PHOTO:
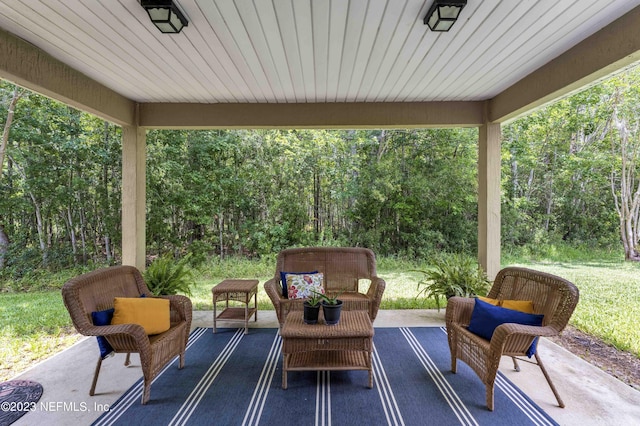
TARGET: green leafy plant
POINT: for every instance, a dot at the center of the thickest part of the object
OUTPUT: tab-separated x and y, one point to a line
453	275
331	300
314	299
165	276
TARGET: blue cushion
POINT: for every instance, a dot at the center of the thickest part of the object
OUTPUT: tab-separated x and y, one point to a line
283	280
103	318
486	317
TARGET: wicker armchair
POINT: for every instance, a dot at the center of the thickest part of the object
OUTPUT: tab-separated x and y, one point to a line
95	291
552	296
343	268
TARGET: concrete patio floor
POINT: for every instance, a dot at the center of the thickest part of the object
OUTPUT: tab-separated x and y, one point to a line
592	397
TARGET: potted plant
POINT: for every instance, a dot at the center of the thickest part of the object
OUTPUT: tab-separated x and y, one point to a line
453	275
311	308
331	307
165	276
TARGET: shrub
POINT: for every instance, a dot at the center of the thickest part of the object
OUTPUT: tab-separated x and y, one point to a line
165	276
454	275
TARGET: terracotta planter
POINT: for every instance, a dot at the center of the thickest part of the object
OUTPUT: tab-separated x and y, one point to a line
310	315
332	312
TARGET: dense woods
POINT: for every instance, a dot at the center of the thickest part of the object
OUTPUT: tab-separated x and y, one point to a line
570	173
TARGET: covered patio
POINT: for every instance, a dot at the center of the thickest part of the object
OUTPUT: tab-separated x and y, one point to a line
322	64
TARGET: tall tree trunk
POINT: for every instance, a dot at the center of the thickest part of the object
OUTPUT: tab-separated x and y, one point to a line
72	234
40	228
4	239
4	246
220	226
316	203
17	94
626	193
83	233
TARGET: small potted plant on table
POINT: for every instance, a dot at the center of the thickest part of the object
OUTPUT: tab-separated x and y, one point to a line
331	307
312	308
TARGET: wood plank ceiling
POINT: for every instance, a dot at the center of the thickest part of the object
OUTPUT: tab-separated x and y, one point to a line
307	51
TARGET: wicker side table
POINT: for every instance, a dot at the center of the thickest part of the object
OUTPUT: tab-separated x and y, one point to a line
239	291
344	346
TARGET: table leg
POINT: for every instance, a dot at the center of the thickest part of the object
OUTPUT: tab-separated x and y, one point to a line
214	314
285	364
370	372
255	305
246	317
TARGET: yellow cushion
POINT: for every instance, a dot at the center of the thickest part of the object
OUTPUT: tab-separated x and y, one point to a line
494	302
151	313
516	305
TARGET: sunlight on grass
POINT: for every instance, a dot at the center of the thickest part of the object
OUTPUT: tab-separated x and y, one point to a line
609	305
35	326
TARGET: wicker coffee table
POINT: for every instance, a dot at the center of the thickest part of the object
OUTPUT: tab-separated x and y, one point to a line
239	291
344	346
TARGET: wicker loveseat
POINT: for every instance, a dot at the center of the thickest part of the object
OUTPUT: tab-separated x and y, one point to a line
350	270
95	291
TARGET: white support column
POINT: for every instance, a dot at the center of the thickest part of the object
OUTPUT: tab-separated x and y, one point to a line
489	198
134	187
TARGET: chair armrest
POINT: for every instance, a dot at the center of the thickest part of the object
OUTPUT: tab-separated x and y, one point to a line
374	293
122	332
459	310
512	337
274	293
181	308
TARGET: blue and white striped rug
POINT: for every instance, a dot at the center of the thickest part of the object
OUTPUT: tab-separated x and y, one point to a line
235	379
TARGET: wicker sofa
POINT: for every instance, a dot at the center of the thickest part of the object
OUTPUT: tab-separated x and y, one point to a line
346	269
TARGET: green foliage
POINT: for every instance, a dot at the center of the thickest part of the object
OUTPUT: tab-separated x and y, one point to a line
165	276
452	275
33	327
251	193
314	299
331	300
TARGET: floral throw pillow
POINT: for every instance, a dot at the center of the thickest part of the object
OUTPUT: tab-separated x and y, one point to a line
301	286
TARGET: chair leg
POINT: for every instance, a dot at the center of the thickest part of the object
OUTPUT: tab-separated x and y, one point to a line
453	349
92	391
515	363
146	391
490	397
546	376
181	364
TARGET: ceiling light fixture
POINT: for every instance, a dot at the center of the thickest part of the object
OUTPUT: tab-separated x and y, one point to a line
165	15
443	14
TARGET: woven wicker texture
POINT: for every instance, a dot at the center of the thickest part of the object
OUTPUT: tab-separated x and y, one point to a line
344	346
552	296
95	291
238	291
343	267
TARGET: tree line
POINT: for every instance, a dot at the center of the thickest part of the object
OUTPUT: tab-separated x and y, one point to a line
569	173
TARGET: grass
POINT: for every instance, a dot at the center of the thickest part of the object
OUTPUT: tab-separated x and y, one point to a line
609	306
36	325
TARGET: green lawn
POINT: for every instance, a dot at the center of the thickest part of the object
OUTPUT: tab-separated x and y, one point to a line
36	325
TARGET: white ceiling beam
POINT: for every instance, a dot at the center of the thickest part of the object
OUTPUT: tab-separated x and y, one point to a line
27	66
610	50
312	115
